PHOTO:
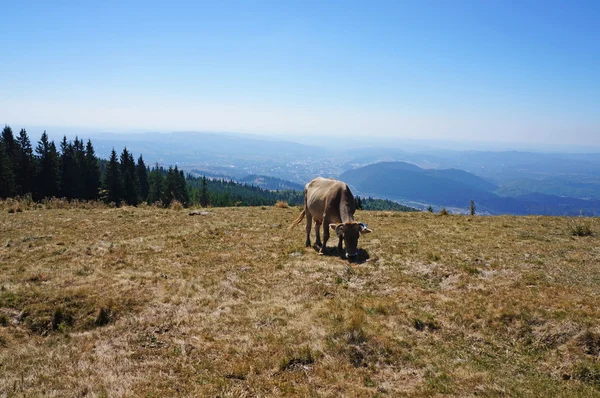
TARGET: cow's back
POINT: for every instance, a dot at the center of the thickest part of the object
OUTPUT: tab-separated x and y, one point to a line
321	192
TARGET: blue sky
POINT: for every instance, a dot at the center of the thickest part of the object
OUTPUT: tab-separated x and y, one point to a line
454	70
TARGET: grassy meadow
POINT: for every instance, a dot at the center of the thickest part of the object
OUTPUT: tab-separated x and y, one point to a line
98	301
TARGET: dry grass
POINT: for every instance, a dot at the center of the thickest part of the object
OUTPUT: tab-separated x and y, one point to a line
281	204
176	205
152	302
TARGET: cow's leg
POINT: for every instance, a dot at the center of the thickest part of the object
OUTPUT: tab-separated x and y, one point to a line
325	234
340	247
308	227
318	233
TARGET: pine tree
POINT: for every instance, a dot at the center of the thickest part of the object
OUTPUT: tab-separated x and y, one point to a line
80	164
91	173
7	178
25	164
8	184
170	187
10	145
184	196
156	192
68	168
112	180
358	204
131	186
142	173
48	173
203	193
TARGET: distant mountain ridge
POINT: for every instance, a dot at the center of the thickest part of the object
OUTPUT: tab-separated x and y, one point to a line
455	188
400	180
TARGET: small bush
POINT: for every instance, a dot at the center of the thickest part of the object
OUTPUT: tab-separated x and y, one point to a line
430	209
176	205
444	212
472	207
583	228
281	204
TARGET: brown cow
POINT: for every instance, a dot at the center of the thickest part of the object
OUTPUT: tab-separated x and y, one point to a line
331	204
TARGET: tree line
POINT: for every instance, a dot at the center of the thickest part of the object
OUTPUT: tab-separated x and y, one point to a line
225	193
380	204
73	171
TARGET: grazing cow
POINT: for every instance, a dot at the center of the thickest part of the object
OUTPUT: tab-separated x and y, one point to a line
331	204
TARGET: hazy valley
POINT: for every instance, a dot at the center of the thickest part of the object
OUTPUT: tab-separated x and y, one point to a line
501	182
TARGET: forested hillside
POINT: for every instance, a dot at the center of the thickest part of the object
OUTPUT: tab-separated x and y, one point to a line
270	183
73	171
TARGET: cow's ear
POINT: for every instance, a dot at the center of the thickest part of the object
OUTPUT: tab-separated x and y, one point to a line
364	229
337	228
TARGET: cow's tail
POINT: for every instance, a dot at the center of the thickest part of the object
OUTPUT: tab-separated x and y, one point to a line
301	215
298	219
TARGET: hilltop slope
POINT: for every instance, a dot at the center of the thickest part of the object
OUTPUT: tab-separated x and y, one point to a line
145	301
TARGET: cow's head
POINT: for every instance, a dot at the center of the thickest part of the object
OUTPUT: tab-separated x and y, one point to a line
350	232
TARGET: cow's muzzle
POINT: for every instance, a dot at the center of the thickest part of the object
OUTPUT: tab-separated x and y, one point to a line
351	255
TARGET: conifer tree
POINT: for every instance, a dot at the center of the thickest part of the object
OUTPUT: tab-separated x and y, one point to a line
79	156
68	168
142	173
203	193
184	196
131	186
112	180
91	173
10	145
48	173
170	192
155	193
7	178
25	164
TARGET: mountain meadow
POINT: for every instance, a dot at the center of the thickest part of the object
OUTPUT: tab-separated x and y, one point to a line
151	301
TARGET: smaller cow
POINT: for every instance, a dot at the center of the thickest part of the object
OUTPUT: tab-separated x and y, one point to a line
331	204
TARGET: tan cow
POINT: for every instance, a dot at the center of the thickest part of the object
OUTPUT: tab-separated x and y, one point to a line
331	204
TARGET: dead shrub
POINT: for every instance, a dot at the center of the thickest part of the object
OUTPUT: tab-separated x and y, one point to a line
175	205
581	228
281	204
444	212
